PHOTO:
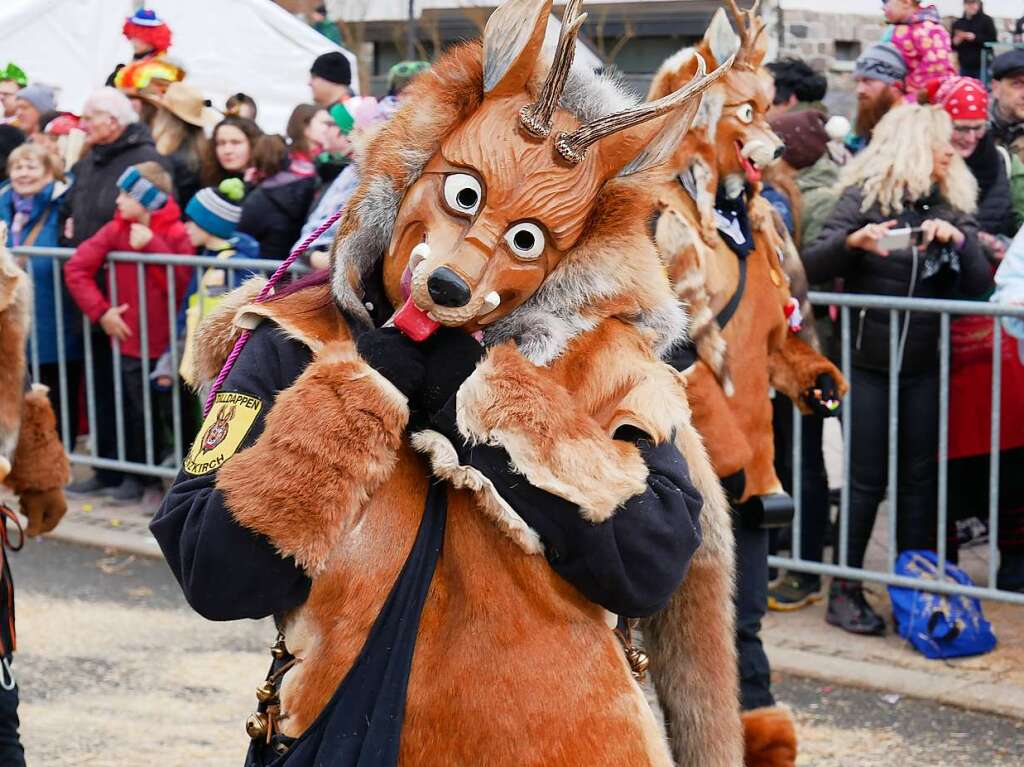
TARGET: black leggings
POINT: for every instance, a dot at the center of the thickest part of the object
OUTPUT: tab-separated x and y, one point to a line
917	459
813	477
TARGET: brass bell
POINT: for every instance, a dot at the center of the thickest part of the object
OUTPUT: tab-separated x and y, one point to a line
266	692
279	650
256	726
639	661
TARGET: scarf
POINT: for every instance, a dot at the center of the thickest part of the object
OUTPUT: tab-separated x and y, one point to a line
22	215
733	223
985	163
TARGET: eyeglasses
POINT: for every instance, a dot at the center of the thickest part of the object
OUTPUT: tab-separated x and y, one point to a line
965	130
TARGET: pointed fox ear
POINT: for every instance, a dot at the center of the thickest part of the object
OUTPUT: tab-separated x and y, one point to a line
512	43
720	41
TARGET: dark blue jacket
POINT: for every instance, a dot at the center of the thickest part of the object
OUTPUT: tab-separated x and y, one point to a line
630	564
47	204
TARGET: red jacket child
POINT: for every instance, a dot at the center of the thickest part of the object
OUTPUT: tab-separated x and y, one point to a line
147	221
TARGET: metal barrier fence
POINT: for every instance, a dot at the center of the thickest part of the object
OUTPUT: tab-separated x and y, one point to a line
897	308
235	270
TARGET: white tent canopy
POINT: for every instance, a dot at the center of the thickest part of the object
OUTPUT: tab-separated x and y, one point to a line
225	46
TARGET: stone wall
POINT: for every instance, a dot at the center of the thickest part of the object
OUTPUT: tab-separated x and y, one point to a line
831	42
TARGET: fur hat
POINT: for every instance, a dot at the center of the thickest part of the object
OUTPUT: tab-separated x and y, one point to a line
146	26
882	61
804	135
333	67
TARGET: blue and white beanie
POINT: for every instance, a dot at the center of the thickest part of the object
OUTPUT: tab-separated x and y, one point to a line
217	210
142	190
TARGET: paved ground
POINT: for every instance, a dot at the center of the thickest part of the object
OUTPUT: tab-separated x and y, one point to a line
115	669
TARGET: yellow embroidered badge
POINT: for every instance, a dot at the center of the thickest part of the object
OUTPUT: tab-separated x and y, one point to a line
229	420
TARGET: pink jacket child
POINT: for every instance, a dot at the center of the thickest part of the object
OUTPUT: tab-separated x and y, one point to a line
148	220
923	42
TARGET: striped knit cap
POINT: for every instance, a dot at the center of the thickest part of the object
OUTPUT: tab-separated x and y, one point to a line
217	210
142	190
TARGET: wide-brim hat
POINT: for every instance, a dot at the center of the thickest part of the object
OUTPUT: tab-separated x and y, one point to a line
187	103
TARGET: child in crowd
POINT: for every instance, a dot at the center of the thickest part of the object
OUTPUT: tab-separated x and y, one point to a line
917	31
212	217
148	220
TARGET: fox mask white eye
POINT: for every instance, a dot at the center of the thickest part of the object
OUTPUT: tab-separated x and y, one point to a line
525	240
745	113
462	193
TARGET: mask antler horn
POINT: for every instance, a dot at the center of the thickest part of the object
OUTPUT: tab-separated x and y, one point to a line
748	26
573	146
536	117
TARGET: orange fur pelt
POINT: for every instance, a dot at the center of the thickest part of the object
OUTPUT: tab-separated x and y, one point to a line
15	304
770	737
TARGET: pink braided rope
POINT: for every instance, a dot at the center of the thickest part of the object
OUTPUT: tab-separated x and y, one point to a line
262	296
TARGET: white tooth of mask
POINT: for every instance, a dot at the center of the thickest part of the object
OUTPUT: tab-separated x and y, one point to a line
491	301
419	254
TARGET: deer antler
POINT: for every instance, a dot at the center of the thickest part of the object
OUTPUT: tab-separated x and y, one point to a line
536	117
748	26
573	146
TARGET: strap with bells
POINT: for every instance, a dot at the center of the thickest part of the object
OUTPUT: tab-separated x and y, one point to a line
262	724
639	661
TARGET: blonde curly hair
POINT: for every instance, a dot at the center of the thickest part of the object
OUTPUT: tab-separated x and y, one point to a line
896	167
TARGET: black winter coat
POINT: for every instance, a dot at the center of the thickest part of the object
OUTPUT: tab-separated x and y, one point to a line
969	51
92	196
185	166
273	213
828	258
995	209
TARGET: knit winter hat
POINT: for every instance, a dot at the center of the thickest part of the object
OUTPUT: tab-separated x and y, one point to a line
333	67
882	61
357	112
146	26
15	74
217	210
141	189
804	135
42	97
964	98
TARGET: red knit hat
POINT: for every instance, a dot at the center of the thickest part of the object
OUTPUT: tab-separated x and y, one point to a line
964	98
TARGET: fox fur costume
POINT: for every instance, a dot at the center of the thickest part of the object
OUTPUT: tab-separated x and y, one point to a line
728	387
32	460
525	665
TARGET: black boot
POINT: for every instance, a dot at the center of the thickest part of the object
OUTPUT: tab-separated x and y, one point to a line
850	611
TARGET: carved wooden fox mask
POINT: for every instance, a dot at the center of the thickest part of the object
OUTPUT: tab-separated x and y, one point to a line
511	188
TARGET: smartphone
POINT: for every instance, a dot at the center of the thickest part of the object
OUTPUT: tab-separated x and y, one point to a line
900	239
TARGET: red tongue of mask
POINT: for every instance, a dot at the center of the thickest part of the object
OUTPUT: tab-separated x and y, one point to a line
753	174
414	322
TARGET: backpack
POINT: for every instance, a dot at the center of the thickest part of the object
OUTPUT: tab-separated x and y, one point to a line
938	625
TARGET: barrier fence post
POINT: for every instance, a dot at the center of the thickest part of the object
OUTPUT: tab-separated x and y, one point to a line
115	366
892	490
945	353
994	442
172	319
90	386
797	479
844	497
62	363
147	397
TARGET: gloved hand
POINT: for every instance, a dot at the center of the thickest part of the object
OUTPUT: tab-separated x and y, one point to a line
823	397
43	509
396	357
451	356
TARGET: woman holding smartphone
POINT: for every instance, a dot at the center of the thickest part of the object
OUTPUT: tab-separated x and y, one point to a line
904	227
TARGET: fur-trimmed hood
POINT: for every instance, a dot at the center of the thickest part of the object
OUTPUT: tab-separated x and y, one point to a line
592	282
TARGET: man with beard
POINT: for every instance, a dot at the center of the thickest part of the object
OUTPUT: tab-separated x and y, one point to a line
879	73
1006	120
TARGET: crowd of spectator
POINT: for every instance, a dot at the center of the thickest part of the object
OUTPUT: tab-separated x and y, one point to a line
931	149
149	166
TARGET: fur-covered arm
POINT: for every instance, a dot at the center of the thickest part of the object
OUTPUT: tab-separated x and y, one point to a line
551	439
727	445
330	441
794	368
